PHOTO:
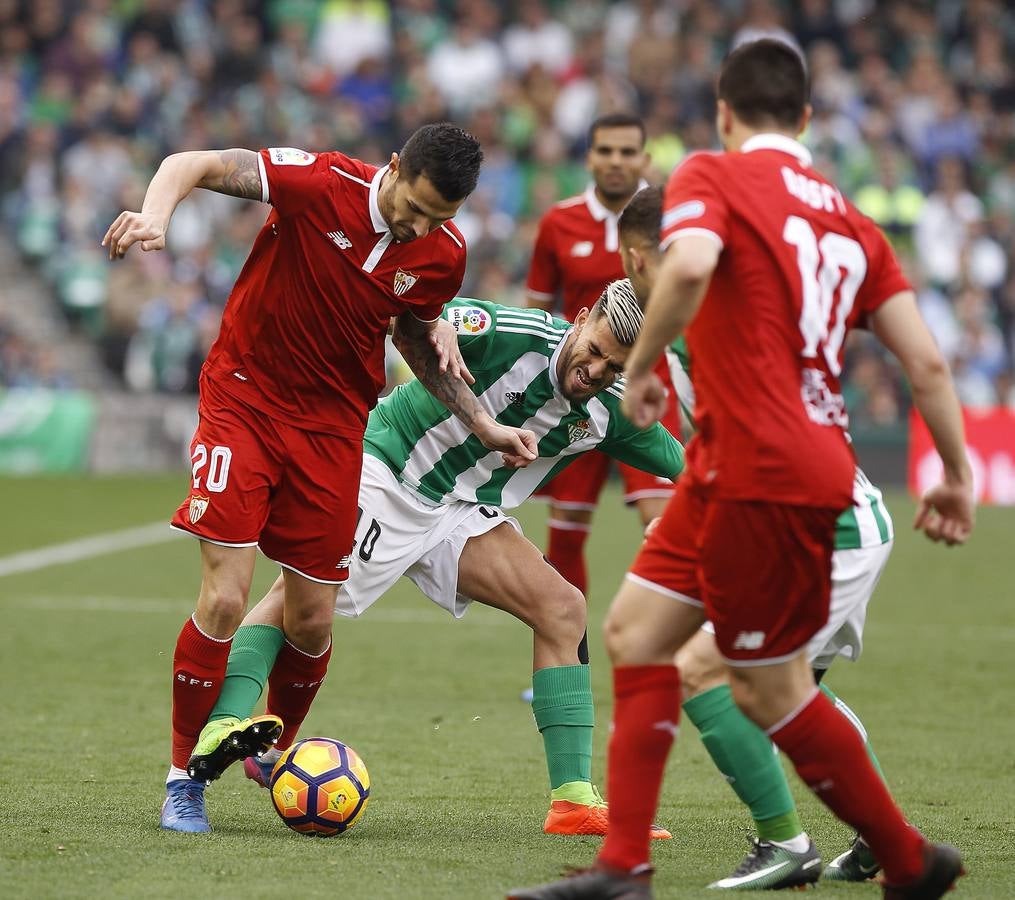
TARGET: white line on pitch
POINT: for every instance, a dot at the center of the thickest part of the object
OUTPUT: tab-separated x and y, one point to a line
86	548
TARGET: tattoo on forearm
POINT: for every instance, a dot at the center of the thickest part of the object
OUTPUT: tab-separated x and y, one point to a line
450	389
241	178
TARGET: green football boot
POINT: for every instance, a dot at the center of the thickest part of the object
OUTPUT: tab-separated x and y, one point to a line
856	864
225	741
769	867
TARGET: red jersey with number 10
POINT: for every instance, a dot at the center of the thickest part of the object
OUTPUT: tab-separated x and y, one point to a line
302	335
799	267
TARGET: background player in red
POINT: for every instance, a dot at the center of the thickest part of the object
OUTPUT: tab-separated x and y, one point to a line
773	266
286	388
577	253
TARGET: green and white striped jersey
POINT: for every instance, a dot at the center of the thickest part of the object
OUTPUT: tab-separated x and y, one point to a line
512	353
865	524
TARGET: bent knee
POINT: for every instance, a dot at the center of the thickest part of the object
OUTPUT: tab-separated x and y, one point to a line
747	696
309	628
701	666
563	615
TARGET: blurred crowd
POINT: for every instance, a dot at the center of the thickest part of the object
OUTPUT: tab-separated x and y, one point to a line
914	117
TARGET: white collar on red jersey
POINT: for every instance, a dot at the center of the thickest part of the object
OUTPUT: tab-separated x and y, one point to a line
601	214
376	219
780	142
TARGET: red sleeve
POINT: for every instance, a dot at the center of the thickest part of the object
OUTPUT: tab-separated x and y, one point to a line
544	275
693	201
446	289
884	278
292	178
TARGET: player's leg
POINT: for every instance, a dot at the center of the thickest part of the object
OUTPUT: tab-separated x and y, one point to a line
573	496
780	557
653	614
502	569
233	471
782	856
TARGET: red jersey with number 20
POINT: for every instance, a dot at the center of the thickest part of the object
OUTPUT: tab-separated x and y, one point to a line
302	335
799	267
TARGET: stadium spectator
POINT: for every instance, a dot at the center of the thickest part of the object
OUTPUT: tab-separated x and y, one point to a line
899	88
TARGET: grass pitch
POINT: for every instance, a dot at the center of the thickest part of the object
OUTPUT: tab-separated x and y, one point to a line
459	784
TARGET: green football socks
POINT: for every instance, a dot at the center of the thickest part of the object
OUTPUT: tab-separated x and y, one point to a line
562	706
746	758
250	660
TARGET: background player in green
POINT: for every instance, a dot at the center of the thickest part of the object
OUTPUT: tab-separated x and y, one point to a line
782	855
430	500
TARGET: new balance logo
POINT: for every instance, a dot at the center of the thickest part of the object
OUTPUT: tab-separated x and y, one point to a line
515	398
340	240
666	725
749	640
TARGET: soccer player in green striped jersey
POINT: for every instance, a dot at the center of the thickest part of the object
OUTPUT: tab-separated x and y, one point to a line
431	499
782	855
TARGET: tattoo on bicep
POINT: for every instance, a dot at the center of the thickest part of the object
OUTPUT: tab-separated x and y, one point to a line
242	177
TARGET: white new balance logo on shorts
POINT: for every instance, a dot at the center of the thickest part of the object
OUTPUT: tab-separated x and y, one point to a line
749	640
341	241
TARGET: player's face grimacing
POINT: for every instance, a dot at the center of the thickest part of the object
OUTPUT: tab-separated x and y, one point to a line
617	160
592	361
413	209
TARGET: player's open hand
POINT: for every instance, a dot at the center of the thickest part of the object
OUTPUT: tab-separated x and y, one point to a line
644	400
518	446
947	512
444	340
133	227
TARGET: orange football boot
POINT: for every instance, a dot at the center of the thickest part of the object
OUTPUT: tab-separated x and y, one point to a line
566	817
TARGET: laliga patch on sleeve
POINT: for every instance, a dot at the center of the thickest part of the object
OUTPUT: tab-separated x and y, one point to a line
469	319
692	209
290	156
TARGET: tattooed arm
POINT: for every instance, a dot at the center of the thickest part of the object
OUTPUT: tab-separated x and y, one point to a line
441	378
235	172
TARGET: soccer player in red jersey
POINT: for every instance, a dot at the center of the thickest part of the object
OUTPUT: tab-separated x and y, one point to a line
286	389
577	253
767	266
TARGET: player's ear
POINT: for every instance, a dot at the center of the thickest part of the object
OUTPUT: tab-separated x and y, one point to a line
581	318
393	163
805	119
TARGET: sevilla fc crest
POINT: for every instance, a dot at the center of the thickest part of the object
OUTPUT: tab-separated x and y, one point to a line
403	281
198	507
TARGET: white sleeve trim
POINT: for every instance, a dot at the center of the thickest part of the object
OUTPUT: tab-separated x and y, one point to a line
264	179
690	232
542	295
424	321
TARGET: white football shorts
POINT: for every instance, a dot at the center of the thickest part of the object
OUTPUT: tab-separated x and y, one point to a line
855	575
401	533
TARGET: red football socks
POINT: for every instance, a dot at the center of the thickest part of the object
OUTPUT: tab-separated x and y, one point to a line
199	668
645	716
830	757
293	683
566	552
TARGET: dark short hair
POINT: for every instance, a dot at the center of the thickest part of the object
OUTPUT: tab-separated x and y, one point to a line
765	82
616	120
448	155
643	215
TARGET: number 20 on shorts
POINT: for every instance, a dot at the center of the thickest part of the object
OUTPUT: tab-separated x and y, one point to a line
217	462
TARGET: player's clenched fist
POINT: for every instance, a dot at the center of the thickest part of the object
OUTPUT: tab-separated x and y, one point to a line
129	228
644	400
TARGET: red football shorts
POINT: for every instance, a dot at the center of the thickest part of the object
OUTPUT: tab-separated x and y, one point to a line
763	570
579	485
668	560
257	481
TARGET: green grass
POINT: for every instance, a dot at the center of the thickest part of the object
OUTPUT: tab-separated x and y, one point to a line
432	705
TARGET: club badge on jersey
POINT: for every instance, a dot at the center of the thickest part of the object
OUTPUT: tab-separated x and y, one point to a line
403	281
198	507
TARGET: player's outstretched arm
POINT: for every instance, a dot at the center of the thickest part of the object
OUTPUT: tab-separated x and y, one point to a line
679	289
234	172
946	511
412	338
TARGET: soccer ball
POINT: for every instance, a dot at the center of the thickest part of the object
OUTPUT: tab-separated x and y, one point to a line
320	787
